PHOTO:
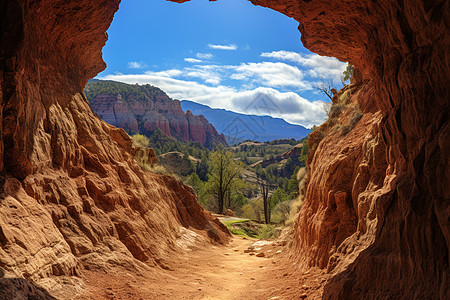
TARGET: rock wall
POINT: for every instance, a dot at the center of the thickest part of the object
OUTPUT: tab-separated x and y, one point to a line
146	108
71	194
377	205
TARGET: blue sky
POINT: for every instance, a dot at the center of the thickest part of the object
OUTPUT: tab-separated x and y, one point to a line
223	54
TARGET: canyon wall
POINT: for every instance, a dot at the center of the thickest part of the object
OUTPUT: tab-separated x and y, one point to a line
145	108
377	206
71	194
376	212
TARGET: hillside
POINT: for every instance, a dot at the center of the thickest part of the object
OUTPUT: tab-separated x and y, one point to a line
143	108
248	127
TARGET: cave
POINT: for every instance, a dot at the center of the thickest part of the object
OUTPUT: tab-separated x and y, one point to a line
72	196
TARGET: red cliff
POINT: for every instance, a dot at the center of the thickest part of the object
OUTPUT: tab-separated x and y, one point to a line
145	108
377	206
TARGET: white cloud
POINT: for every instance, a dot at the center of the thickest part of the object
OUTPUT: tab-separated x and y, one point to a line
193	60
204	55
223	47
136	65
272	74
166	73
203	83
207	75
291	106
317	66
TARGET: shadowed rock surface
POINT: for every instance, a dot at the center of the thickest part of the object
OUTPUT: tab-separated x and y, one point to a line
377	206
71	194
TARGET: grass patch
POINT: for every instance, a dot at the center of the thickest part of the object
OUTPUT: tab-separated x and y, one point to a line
244	228
251	229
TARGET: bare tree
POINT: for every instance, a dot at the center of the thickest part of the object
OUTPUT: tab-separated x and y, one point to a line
324	87
265	187
327	107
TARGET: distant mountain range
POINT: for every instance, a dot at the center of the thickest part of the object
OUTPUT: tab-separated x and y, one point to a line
143	108
239	127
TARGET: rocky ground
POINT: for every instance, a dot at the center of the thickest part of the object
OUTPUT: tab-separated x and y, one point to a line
243	269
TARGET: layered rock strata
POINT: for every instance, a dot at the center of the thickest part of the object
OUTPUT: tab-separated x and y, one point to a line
71	194
146	108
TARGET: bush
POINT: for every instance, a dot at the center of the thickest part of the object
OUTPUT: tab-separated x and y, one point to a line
247	212
267	231
336	110
297	204
345	97
141	140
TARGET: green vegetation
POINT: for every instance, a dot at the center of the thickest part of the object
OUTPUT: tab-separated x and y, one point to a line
251	229
138	92
237	228
348	73
251	179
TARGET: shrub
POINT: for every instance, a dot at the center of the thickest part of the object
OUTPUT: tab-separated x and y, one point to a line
141	140
345	97
336	110
248	212
297	204
267	231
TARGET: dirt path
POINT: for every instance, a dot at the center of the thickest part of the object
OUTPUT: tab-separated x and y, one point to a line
212	272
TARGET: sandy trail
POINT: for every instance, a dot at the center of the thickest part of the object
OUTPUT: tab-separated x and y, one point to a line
211	272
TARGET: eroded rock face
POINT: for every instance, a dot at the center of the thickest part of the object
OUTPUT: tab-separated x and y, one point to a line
71	194
377	203
150	111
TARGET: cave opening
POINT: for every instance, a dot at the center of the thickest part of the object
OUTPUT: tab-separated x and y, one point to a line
73	201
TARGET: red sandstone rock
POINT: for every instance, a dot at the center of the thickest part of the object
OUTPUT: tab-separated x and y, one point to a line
376	212
394	239
124	110
71	194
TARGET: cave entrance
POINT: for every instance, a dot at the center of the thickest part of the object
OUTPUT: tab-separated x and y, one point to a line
254	65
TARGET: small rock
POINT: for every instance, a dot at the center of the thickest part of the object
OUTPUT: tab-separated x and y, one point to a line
261	254
252	278
303	296
285	274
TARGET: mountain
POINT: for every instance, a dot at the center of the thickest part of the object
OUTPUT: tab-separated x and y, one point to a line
240	127
143	108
